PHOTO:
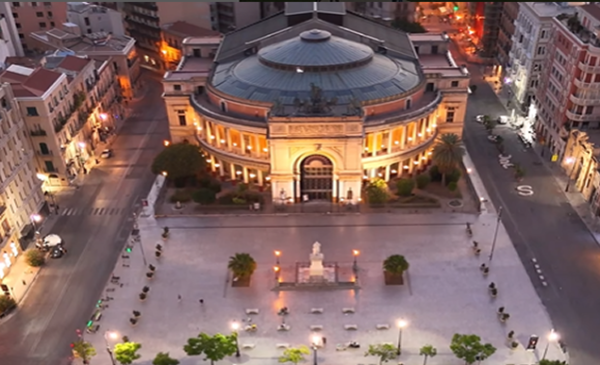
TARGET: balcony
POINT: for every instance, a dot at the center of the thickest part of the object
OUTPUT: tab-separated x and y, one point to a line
583	100
571	114
586	85
588	68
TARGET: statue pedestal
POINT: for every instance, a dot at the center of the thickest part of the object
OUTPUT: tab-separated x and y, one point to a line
316	269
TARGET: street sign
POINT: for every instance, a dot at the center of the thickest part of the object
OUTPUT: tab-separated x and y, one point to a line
554	158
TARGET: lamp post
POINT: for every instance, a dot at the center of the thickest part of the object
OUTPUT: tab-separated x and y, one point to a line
570	161
112	336
315	342
35	218
355	253
277	254
552	337
401	324
235	326
276	270
495	235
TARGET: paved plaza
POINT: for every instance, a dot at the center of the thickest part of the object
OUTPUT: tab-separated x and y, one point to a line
447	293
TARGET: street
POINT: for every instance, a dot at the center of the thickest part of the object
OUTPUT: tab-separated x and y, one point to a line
543	226
62	298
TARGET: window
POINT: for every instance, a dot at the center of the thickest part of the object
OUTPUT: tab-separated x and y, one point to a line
39	14
32	111
543	35
42	24
52	24
18	25
417	49
15	15
87	21
182	121
450	115
47	4
49	166
50	14
434	49
16	4
197	52
33	4
21	35
454	84
44	149
223	106
408	103
430	86
177	87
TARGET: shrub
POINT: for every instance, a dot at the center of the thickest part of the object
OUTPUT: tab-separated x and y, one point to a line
204	196
237	198
404	187
452	186
35	257
6	303
423	180
454	176
377	192
395	264
182	196
207	182
243	187
215	186
435	173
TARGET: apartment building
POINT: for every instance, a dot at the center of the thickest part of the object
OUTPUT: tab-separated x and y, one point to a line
10	33
510	12
386	11
63	112
568	95
533	30
173	36
144	22
484	19
100	46
32	17
95	19
21	198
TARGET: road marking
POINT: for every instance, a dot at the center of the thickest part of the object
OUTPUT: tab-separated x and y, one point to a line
525	190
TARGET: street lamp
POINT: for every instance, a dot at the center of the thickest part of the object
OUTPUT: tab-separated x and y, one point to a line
401	325
35	218
166	143
277	254
235	326
113	336
276	270
355	253
552	337
315	342
570	161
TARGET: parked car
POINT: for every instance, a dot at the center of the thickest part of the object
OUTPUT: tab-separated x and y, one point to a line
57	252
479	118
106	154
502	120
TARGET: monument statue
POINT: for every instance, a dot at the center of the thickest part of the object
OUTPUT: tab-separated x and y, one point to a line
317	103
316	262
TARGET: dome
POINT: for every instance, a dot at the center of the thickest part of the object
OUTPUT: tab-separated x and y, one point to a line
315	49
346	70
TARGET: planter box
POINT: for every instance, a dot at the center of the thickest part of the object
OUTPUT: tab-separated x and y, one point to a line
241	282
393	279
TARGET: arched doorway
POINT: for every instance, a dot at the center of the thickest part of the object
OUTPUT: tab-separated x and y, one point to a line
316	178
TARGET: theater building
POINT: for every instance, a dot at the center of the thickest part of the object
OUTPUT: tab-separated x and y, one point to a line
315	100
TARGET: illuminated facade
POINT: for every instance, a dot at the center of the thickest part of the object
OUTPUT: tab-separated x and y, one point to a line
20	191
316	108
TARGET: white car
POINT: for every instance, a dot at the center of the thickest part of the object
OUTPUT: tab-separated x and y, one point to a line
502	120
479	118
106	154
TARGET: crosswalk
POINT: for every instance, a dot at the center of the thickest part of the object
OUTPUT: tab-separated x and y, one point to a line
93	211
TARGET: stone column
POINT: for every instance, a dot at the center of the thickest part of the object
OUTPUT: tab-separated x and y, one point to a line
256	148
242	143
259	176
232	171
334	191
221	169
213	168
414	133
374	145
424	129
387	172
403	138
228	138
298	197
245	171
390	140
218	136
373	173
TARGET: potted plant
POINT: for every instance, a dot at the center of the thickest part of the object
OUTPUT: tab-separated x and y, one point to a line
157	254
511	335
133	321
514	345
151	267
142	296
136	314
150	274
165	233
504	317
145	289
500	311
393	269
242	265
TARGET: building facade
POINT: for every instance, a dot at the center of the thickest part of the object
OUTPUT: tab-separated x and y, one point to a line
533	30
21	198
580	163
315	108
95	19
10	33
32	17
173	36
484	20
567	97
100	46
510	12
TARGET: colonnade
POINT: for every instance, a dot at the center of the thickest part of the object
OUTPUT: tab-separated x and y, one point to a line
399	138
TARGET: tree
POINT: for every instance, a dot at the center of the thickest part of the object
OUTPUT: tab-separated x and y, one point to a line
552	362
204	196
163	358
126	352
6	303
470	349
427	351
385	352
447	154
35	257
377	192
404	187
242	265
294	354
396	264
83	350
408	27
179	161
214	348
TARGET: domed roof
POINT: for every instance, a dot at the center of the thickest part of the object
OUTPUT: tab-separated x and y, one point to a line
315	48
346	70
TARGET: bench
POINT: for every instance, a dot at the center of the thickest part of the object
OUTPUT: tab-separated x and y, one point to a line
252	311
347	310
248	346
350	327
283	327
316	310
316	327
383	326
283	345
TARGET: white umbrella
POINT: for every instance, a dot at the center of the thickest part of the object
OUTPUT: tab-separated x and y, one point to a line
52	240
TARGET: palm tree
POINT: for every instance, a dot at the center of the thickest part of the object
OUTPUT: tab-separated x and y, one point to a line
447	154
427	351
242	265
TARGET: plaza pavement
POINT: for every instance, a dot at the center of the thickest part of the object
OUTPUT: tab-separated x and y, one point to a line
447	293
